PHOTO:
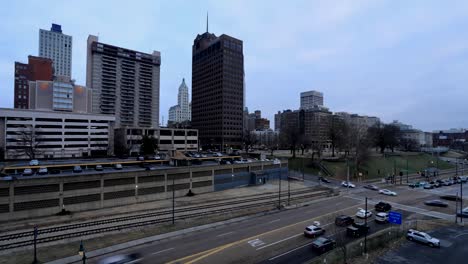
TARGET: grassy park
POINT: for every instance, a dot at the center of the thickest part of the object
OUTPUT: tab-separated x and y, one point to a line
376	166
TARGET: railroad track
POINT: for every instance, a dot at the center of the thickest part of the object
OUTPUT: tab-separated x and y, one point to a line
94	229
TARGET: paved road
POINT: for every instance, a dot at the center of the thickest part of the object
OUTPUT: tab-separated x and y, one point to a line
453	249
278	238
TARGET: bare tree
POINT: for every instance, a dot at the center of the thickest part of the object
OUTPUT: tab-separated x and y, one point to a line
291	137
409	144
358	144
336	133
29	143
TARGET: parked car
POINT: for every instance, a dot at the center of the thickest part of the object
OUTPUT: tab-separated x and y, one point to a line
140	158
121	259
361	213
428	186
381	218
437	203
323	244
371	187
387	192
347	184
323	179
357	230
34	162
343	220
463	213
99	167
421	237
27	172
463	179
413	184
77	169
156	157
42	171
118	166
447	182
383	207
313	231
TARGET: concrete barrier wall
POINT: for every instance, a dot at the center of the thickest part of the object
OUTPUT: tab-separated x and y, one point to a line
34	197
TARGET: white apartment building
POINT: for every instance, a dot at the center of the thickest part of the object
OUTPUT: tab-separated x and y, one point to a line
57	46
183	110
125	83
54	134
311	99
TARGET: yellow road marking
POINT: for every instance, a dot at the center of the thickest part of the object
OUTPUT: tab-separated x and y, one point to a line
215	250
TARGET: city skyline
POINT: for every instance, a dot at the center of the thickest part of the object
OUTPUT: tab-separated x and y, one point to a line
361	57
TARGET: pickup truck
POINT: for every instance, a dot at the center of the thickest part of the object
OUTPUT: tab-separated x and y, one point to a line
357	230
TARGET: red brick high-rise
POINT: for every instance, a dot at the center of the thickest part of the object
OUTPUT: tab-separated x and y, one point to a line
37	69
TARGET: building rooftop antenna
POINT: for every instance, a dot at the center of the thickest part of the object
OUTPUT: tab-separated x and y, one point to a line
207	22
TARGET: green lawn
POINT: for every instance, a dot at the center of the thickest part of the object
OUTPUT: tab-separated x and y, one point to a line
376	167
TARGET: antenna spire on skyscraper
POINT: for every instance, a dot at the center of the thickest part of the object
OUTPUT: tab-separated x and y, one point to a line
206	21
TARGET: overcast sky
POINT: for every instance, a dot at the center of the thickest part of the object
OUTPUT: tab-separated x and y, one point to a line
397	59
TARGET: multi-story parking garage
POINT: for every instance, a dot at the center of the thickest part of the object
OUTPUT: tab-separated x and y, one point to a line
46	134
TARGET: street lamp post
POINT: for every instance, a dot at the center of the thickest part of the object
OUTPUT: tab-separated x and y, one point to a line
461	201
82	252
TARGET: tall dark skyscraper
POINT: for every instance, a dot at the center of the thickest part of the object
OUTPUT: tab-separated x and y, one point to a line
218	90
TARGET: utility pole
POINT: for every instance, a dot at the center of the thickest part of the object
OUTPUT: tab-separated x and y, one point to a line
279	190
365	234
173	199
407	170
347	173
456	208
289	189
394	170
461	201
35	261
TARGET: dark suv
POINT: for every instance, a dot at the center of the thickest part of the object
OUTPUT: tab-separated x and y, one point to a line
344	220
357	230
383	207
323	244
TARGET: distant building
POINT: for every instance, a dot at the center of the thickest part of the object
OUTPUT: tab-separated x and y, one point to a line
59	95
358	120
36	69
312	125
266	137
254	121
125	83
166	138
57	46
218	90
54	134
450	138
311	99
401	125
422	139
183	110
278	121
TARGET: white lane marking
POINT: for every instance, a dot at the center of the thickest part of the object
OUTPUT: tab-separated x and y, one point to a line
287	252
225	234
274	221
168	249
279	241
293	236
459	235
256	242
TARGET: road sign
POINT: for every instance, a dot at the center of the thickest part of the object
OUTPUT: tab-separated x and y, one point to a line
394	217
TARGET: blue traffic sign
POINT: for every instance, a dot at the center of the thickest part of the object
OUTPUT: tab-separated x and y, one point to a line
394	217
